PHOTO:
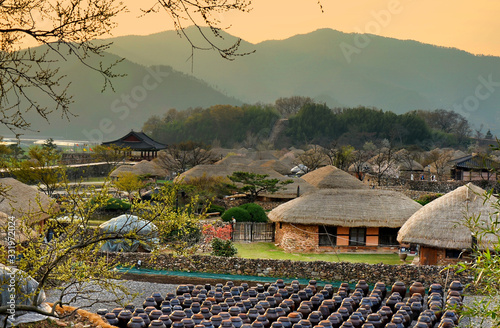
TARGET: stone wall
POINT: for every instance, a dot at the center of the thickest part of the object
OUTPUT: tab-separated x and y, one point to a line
297	237
319	270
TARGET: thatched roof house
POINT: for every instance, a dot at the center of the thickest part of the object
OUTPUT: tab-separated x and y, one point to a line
22	233
149	168
342	217
234	159
276	165
121	169
223	171
22	199
439	227
144	168
330	177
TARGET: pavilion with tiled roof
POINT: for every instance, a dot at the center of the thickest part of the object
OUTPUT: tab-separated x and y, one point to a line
142	147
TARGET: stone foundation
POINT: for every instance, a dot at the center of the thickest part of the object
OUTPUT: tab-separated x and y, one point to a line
294	238
319	270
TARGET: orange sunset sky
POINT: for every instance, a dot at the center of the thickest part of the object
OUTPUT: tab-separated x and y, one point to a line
469	25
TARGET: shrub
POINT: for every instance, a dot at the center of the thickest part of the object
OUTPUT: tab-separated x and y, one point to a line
256	212
115	204
210	232
216	208
224	248
239	214
426	199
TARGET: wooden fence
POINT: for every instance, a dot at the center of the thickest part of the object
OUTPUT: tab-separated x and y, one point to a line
253	231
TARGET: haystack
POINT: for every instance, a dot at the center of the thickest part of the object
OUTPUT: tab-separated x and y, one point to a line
441	223
347	208
330	177
23	200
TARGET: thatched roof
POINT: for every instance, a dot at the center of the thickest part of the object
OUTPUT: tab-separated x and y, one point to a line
347	208
223	171
441	222
333	178
148	168
290	190
121	169
262	154
234	159
276	165
22	233
22	199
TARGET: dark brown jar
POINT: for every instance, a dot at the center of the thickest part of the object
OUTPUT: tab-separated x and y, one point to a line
155	314
136	322
399	287
177	316
111	319
237	322
417	287
375	319
436	288
285	322
145	318
158	324
363	286
188	323
166	320
123	318
355	320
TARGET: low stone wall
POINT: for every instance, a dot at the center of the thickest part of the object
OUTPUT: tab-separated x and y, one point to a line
319	270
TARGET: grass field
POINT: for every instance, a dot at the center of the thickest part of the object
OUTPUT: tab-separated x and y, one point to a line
269	251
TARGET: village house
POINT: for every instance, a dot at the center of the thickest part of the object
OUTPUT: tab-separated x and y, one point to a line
440	228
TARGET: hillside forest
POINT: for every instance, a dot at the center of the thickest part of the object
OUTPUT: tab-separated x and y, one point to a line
299	121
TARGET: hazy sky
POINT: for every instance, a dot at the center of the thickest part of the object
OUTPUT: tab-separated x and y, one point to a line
469	25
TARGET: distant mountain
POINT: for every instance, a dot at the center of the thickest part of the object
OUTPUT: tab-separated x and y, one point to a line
339	69
143	92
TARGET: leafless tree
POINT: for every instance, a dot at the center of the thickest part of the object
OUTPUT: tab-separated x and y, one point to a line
313	158
339	156
67	29
439	160
291	105
182	156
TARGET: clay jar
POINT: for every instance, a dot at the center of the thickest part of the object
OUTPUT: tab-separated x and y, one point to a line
363	286
155	314
417	287
399	287
157	324
136	322
375	319
123	318
111	318
355	320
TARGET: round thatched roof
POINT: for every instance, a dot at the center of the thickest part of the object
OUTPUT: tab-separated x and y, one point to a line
22	199
121	169
148	168
262	154
234	159
441	222
276	165
289	191
223	171
330	177
347	208
22	234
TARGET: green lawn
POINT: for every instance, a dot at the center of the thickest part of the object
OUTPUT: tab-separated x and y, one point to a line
269	251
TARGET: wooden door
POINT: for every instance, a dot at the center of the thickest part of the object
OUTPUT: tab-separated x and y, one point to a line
428	256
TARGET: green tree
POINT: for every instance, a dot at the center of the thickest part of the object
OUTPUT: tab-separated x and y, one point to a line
42	168
254	183
130	183
111	155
